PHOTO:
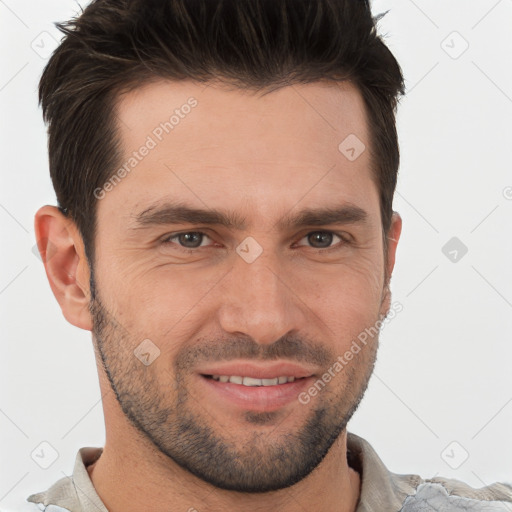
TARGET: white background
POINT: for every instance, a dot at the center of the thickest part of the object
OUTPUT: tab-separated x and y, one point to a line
444	369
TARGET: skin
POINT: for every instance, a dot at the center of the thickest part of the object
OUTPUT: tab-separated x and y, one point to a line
302	300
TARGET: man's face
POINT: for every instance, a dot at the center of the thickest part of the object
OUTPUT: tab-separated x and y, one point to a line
280	291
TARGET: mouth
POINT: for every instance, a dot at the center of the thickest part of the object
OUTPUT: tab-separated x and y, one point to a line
253	387
251	381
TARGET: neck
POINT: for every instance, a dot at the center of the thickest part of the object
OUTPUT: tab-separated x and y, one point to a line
130	477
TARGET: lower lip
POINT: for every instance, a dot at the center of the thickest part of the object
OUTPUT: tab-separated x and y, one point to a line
257	398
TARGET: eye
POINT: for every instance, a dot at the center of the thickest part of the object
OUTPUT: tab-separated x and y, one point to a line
323	239
188	240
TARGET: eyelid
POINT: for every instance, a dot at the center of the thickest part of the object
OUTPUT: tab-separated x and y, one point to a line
169	236
345	238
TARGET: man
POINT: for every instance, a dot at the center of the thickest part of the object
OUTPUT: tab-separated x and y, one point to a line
225	174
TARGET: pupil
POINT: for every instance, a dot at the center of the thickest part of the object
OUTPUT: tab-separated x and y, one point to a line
190	239
321	239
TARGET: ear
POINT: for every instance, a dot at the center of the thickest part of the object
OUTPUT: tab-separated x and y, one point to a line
393	236
62	251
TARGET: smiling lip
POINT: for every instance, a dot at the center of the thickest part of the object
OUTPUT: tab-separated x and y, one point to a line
258	371
255	398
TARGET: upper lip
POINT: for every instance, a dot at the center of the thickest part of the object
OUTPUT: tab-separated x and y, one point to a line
260	370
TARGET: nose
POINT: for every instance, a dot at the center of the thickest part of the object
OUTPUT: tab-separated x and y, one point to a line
257	300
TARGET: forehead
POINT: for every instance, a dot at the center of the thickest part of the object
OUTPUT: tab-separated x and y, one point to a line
222	113
209	144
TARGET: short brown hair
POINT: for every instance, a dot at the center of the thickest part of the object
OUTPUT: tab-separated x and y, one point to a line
116	45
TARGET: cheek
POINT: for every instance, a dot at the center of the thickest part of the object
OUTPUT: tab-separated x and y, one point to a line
346	299
159	302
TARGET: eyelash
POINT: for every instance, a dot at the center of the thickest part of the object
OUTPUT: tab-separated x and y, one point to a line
343	241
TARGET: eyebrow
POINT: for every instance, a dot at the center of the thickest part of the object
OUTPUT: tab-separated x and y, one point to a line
169	213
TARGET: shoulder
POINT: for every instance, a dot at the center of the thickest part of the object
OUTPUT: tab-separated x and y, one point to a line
439	494
382	489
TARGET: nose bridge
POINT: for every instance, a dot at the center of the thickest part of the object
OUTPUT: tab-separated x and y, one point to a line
257	301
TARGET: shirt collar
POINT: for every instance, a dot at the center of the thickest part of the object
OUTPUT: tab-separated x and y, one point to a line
380	489
75	493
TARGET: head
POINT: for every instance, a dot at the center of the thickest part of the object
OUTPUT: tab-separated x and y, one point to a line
225	175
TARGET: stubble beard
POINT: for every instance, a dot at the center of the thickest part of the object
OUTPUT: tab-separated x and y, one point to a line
262	462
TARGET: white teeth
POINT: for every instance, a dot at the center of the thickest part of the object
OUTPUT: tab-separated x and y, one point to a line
250	381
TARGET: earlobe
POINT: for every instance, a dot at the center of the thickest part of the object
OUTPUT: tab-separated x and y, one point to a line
62	251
